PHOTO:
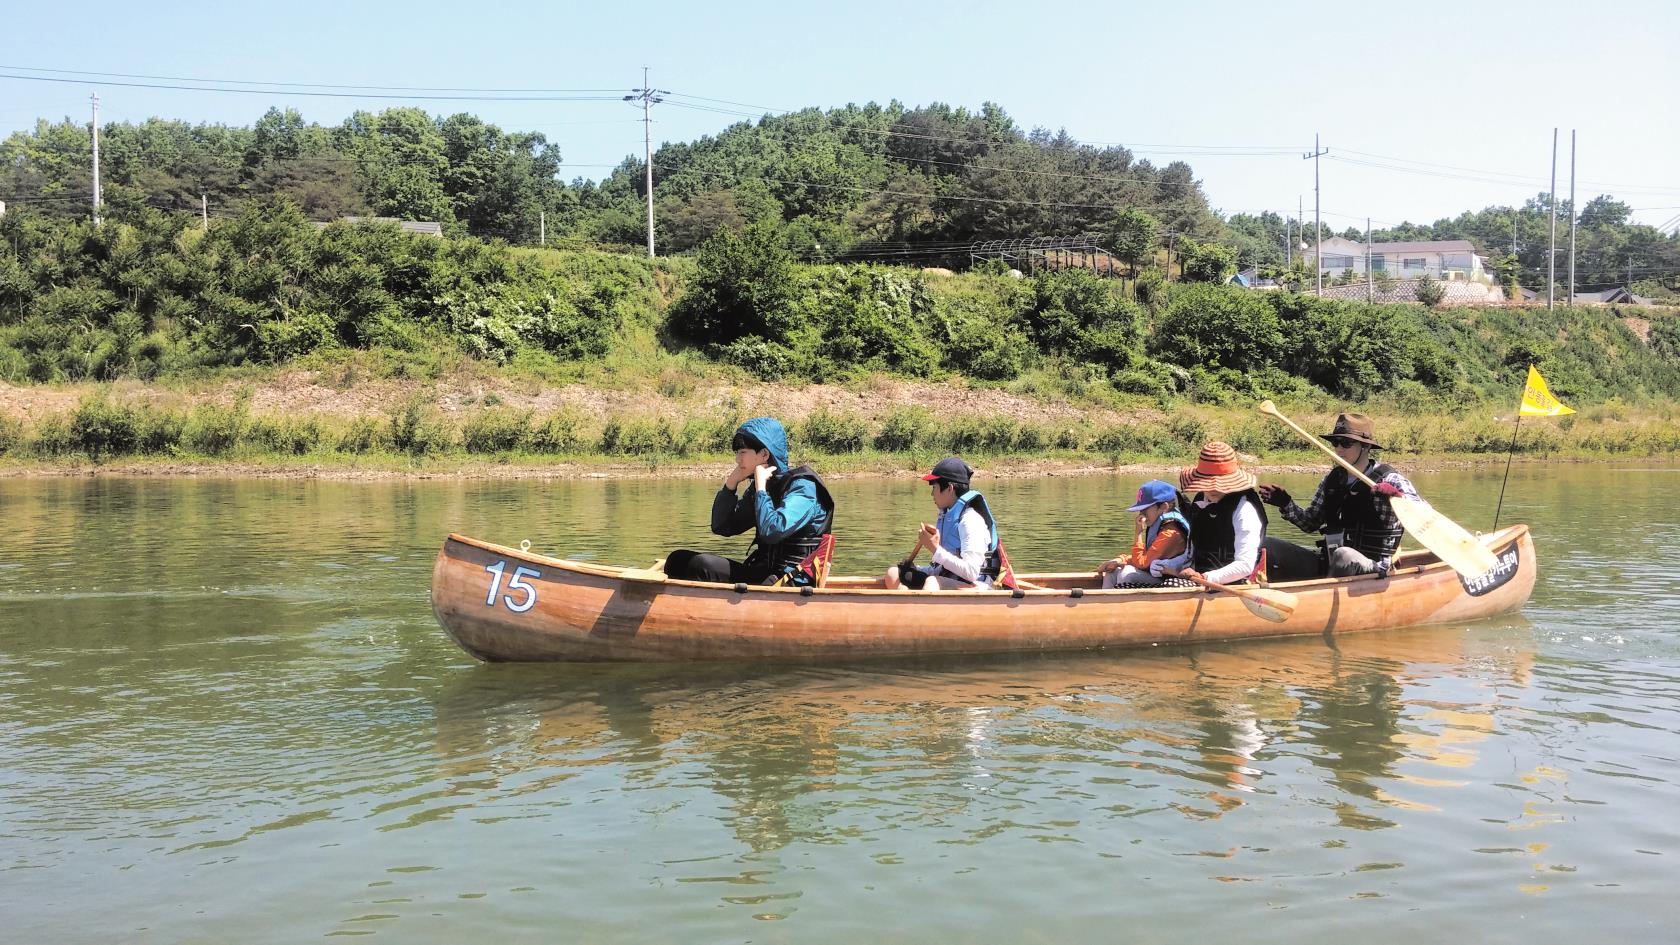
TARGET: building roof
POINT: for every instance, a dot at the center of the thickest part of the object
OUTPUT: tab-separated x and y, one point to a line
1425	246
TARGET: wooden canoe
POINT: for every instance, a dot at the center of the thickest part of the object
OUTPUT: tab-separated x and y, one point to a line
504	604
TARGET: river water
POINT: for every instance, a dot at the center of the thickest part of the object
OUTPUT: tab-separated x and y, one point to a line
227	715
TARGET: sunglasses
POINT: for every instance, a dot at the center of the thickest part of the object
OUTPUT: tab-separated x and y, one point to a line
1341	442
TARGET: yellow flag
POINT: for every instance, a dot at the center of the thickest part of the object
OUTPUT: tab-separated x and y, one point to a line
1538	401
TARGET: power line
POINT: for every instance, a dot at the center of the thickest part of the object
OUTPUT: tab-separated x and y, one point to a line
306	85
292	92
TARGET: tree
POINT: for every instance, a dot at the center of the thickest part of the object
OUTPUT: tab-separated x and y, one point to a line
1132	237
1209	262
744	285
1219	326
1429	292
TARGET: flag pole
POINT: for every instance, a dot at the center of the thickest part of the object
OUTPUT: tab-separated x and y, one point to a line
1508	454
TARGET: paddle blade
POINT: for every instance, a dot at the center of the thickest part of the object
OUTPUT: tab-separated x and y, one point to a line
1444	537
1276	606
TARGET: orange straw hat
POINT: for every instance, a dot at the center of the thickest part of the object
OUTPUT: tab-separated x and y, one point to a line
1216	470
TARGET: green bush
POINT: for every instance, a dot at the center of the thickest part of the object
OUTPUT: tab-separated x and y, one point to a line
637	436
556	433
1218	327
833	433
101	429
496	431
705	435
416	429
11	435
159	432
291	436
1131	439
744	285
993	434
364	435
214	430
52	437
905	428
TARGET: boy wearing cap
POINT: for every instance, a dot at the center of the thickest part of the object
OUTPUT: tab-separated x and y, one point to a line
1162	540
1227	519
1361	532
964	538
789	511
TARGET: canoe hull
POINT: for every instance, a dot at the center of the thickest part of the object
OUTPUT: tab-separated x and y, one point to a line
503	604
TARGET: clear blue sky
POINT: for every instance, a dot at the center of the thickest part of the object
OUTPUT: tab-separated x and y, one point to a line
1472	89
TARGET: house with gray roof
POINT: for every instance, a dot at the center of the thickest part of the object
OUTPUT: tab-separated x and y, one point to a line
1437	259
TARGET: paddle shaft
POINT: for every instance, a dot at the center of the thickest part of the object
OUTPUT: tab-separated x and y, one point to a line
1266	407
1245	595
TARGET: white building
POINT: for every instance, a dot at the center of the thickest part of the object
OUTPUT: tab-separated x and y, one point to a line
1438	259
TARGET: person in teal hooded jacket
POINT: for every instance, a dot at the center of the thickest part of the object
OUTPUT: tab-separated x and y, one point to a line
788	509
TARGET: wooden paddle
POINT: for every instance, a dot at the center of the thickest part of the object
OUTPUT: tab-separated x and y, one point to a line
656	573
1262	602
1441	535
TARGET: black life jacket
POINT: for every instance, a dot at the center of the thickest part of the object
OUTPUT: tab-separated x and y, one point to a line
1351	508
1213	534
783	557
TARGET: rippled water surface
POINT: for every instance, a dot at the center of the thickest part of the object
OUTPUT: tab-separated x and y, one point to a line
226	715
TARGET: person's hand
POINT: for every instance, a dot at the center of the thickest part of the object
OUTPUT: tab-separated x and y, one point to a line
1188	573
762	475
929	536
1141	525
1112	564
1273	494
1389	490
1156	568
735	478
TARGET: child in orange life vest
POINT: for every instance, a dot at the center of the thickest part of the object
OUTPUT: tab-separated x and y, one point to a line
1162	540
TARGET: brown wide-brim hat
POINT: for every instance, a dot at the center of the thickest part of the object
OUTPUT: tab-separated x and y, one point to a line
1216	470
1357	427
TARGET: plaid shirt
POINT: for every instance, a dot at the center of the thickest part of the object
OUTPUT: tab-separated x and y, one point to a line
1386	539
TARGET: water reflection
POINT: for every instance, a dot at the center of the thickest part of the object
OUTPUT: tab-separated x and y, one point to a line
800	755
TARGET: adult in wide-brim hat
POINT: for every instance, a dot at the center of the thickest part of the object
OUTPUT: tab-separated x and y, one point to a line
1356	427
1216	470
1361	530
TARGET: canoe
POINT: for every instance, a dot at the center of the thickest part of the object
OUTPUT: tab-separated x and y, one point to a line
506	604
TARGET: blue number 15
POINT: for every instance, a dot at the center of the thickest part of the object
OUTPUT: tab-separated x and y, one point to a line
515	583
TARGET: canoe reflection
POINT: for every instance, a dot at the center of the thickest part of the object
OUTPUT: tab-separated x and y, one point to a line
818	755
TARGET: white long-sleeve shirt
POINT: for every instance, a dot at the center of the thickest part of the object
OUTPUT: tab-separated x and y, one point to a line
976	540
1247	545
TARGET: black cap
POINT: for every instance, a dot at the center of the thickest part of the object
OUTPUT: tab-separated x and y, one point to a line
951	469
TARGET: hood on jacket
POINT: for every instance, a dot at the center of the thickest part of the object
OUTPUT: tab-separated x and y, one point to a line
768	430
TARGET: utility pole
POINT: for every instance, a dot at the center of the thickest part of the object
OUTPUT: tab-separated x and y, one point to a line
98	198
1288	250
649	97
542	227
1551	246
1370	281
1630	275
1572	215
1318	219
204	210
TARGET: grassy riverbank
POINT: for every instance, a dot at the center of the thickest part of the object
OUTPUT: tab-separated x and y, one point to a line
675	419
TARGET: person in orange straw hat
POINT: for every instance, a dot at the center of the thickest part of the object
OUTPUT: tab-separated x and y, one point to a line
1227	518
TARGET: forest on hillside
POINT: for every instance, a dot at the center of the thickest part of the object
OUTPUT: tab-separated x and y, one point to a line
831	183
